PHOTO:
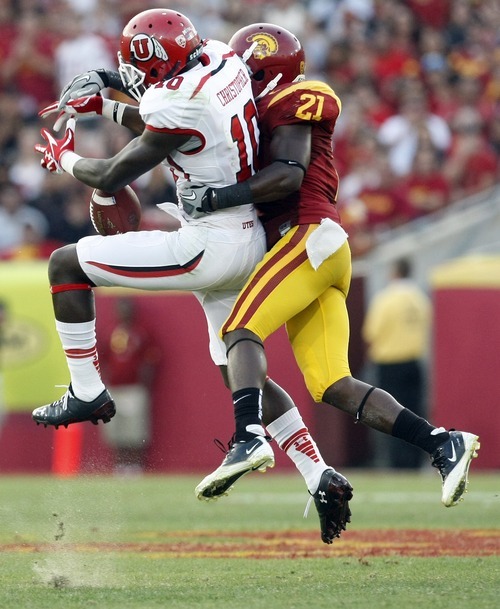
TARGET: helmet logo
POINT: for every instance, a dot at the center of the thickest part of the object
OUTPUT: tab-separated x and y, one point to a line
188	33
144	47
267	45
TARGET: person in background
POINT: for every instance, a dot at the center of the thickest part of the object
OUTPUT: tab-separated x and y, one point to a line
22	227
27	66
130	356
396	329
472	165
425	189
80	49
402	132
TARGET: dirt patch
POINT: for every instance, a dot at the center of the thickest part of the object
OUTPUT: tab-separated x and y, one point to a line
291	544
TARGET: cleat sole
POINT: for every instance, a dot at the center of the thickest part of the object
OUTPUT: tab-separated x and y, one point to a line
105	413
262	469
221	481
213	492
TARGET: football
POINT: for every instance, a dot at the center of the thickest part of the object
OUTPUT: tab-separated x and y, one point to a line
115	213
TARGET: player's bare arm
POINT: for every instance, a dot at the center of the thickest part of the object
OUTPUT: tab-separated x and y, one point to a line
291	152
138	157
132	119
121	113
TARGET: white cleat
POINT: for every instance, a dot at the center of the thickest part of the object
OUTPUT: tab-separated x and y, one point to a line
243	457
453	459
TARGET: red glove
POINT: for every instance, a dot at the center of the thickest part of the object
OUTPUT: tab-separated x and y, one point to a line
54	149
91	106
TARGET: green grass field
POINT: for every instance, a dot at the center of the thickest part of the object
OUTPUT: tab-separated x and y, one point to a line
130	543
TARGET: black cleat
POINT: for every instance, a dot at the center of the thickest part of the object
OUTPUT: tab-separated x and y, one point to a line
332	503
69	409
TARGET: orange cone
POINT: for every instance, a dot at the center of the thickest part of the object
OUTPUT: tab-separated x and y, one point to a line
67	455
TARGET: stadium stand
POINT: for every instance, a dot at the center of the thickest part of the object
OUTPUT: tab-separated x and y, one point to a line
418	78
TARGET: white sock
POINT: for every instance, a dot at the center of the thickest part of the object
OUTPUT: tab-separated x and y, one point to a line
79	344
294	438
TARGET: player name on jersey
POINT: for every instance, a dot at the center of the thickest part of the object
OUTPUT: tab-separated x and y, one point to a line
233	89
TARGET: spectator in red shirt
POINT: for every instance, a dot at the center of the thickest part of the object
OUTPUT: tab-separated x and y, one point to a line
395	53
431	12
441	94
28	68
385	208
7	30
131	356
374	109
425	189
369	200
471	165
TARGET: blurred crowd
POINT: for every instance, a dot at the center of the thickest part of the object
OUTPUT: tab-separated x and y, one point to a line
419	82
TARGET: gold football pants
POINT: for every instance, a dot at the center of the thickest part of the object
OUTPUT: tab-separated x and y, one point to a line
285	289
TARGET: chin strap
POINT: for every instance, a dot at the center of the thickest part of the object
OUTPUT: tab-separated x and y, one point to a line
247	54
270	86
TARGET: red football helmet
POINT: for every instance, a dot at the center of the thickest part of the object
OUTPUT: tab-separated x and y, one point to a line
272	55
156	45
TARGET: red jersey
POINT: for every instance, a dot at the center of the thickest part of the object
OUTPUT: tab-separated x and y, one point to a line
130	354
433	13
384	206
313	103
424	194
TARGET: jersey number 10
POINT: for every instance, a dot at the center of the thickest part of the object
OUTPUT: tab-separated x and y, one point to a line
247	167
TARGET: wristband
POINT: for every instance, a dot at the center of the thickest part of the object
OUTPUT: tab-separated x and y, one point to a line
68	160
104	76
113	110
232	196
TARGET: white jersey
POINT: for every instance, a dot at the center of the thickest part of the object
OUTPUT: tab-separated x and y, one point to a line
211	256
213	103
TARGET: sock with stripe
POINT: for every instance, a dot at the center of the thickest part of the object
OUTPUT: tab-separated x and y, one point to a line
80	347
294	438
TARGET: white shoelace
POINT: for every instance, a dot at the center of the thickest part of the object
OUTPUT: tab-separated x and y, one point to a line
64	398
308	505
